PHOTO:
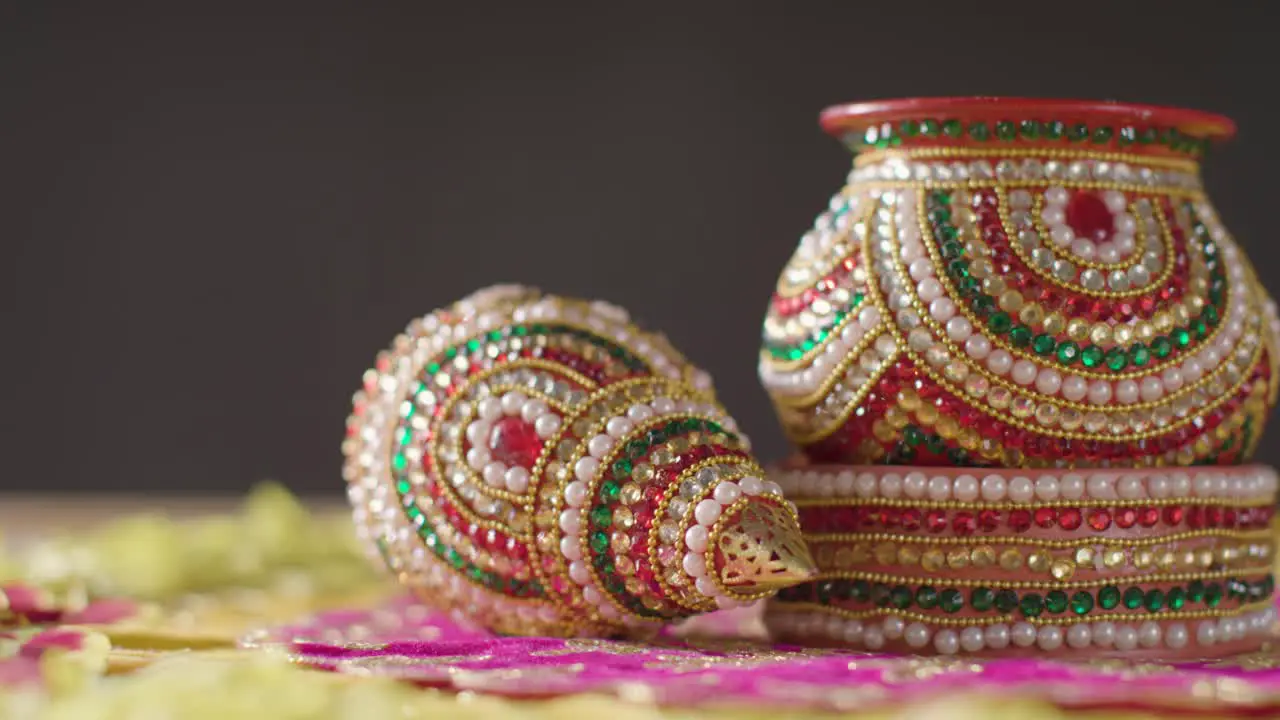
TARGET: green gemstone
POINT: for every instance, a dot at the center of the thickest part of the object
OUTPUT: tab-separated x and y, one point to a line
599	541
958	268
1195	591
935	444
1181	337
929	128
941	197
947	232
1092	356
399	462
637	448
900	596
953	128
1006	601
982	598
473	345
880	595
950	600
940	216
1102	135
1056	601
951	250
622	469
1177	598
1029	129
958	456
1006	130
860	591
1154	600
1148	136
979	131
1081	602
601	516
909	128
1117	359
1133	598
999	322
1054	130
912	435
1161	347
432	368
1210	315
1044	344
982	304
402	486
1068	352
1020	336
1139	355
609	490
926	597
1031	605
1198	327
1078	132
1109	597
969	285
1127	135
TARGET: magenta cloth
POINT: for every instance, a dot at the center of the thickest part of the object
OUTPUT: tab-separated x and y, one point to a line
707	662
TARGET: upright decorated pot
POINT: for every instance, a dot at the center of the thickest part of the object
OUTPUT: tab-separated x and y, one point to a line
1021	282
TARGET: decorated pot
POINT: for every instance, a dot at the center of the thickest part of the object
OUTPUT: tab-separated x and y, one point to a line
540	465
1015	282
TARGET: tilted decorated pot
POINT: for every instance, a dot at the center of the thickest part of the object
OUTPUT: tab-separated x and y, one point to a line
1020	282
541	465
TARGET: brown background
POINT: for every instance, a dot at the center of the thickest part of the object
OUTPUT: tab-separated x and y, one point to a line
214	215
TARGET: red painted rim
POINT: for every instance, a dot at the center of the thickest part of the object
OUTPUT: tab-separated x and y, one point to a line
840	119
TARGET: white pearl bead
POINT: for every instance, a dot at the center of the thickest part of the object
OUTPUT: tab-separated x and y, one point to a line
1049	637
1130	487
865	485
1127	392
946	642
940	488
579	573
1023	634
530	411
893	627
1109	253
977	346
570	547
920	268
915	485
706	587
513	402
695	538
1104	634
1179	484
477	458
916	635
844	483
942	309
495	474
853	631
1024	372
751	485
1101	487
999	362
663	405
1149	634
1125	224
1052	215
517	479
1191	370
1172	378
873	637
1079	636
478	433
965	488
695	564
1202	483
570	522
575	493
959	328
1083	248
1099	392
546	425
891	485
707	512
971	639
1126	638
996	636
929	290
1061	235
1115	201
1056	195
1151	389
585	469
1047	487
1021	489
639	413
1176	636
489	408
1074	388
1048	381
618	426
1071	486
1207	633
993	488
600	445
726	493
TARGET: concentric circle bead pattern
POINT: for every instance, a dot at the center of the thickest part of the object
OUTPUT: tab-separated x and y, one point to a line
542	466
1075	309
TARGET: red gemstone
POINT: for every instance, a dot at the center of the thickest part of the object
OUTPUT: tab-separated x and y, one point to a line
1019	520
964	523
1173	515
1229	518
890	517
1046	517
936	521
1099	519
1069	519
989	520
1126	517
514	442
1213	516
1195	517
910	519
1089	216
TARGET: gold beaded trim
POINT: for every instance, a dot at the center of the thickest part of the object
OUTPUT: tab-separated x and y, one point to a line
1035	541
1042	585
1082	503
873	157
796	607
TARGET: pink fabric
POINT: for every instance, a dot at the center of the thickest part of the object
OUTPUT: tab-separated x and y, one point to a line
706	663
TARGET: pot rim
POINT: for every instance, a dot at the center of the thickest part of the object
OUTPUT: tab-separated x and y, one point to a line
858	116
